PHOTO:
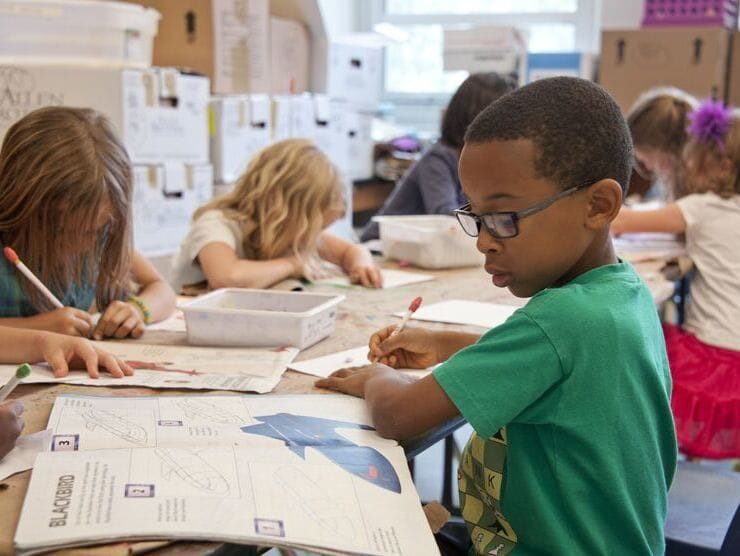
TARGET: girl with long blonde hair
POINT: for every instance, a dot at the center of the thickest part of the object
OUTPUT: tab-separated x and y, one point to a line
704	353
65	208
272	226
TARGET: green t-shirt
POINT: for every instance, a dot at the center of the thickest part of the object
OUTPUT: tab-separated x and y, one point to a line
579	379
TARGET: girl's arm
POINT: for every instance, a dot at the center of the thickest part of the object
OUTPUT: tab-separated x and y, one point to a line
126	318
354	259
223	269
668	219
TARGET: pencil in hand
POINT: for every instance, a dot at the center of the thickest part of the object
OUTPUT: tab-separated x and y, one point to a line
413	306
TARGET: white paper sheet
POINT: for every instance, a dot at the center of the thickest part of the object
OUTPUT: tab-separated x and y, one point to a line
166	366
356	357
27	447
637	248
455	311
272	470
391	279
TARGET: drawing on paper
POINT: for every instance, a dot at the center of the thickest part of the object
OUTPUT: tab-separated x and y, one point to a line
115	424
314	502
160	366
192	469
208	411
300	432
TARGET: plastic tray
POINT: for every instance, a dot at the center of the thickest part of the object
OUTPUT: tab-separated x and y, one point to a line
428	241
254	318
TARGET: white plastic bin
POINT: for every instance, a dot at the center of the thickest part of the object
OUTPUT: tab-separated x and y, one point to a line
77	32
246	317
428	241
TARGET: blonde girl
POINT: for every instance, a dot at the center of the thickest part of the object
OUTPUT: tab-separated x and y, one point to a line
272	225
658	123
704	354
65	208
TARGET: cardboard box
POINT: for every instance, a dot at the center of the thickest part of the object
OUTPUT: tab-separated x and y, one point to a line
354	74
160	113
733	94
227	40
693	59
240	126
165	198
481	49
290	52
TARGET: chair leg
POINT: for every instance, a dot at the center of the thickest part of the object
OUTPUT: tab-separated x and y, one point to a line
447	482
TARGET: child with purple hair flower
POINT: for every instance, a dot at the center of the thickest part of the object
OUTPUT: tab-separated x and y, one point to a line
704	353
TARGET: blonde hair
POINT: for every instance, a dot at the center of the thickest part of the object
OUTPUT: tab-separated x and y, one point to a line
60	168
279	201
699	155
659	118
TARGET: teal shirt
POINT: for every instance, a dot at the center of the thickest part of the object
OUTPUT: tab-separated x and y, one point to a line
574	447
15	303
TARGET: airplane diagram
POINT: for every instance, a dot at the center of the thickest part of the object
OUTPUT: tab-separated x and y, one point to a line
209	412
192	469
116	425
300	432
314	501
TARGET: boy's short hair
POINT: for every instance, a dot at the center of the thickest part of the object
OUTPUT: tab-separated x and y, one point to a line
578	130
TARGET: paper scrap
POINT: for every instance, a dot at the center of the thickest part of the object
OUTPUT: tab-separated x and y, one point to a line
21	458
456	311
391	279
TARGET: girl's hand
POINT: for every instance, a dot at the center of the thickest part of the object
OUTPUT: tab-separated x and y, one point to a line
11	425
412	348
63	352
362	270
66	320
120	320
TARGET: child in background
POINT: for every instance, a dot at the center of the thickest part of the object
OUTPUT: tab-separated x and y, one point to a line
60	352
65	208
431	185
705	354
574	447
272	225
658	122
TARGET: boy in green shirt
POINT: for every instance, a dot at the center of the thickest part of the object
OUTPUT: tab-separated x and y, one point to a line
574	447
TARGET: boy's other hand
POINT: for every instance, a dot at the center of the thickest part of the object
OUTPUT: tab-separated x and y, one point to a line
352	380
63	352
412	348
11	425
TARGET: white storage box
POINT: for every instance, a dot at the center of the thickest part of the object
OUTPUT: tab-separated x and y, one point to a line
482	49
240	126
159	114
355	73
428	241
246	317
165	198
76	32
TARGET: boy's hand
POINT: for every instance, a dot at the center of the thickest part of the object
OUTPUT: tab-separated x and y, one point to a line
63	352
412	348
11	425
352	380
121	319
65	320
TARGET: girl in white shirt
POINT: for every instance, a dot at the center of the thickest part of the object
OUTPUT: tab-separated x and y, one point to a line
704	354
272	225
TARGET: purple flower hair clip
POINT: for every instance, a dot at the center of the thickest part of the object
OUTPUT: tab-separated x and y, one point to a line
710	122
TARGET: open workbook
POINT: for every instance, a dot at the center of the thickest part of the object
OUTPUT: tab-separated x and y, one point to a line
294	471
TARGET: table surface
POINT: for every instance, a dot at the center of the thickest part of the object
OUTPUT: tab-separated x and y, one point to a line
363	312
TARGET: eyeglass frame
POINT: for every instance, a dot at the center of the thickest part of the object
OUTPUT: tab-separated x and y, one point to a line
515	216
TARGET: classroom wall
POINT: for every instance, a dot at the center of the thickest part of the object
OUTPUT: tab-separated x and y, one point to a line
621	14
340	17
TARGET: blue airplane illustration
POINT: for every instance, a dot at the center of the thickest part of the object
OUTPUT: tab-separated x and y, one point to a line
300	432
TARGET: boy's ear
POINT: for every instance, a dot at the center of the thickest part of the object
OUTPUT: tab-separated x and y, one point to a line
604	202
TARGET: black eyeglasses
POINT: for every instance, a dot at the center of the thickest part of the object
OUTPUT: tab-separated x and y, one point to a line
504	225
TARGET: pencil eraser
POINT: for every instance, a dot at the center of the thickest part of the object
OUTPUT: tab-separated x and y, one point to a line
11	255
23	371
415	304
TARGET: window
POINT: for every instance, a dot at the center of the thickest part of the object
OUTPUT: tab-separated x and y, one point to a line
414	75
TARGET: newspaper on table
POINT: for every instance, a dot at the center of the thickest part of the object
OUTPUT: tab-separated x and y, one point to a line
294	471
177	366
